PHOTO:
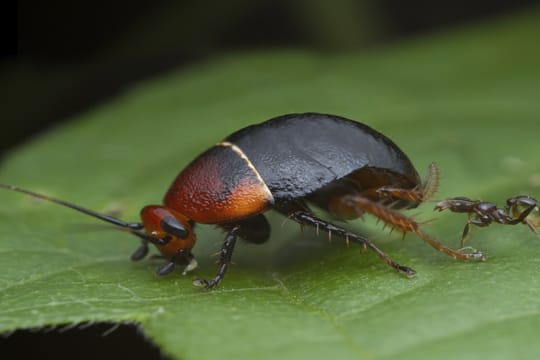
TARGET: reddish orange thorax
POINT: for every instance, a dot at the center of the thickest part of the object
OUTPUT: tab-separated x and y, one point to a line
219	186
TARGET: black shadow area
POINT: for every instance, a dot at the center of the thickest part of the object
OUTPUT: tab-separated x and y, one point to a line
95	341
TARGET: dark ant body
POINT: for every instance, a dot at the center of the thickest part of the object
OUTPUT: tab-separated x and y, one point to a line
520	209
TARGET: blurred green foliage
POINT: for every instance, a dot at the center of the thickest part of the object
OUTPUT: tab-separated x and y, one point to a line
74	55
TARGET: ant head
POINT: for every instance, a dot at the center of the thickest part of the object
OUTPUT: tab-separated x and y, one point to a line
161	222
523	203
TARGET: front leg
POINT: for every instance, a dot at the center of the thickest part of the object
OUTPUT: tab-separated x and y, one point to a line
225	256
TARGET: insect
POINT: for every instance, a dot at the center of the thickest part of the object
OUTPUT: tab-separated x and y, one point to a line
285	163
520	209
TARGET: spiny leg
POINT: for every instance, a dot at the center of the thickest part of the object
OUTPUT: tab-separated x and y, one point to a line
300	213
225	256
417	194
402	223
413	195
310	219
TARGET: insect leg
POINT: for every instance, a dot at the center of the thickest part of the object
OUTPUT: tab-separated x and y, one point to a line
531	226
304	217
465	234
403	223
468	229
254	229
225	256
415	195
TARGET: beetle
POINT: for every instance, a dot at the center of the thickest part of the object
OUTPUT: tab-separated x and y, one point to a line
338	165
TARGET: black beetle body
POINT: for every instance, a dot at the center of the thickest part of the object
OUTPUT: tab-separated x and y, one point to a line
299	154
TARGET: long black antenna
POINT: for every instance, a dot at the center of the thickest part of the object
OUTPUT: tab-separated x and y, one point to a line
107	218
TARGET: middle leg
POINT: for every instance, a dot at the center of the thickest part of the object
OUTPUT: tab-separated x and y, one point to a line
304	216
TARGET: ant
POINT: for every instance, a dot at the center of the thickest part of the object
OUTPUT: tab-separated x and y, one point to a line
521	209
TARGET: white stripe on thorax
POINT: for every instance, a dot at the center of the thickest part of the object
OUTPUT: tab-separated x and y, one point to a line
244	157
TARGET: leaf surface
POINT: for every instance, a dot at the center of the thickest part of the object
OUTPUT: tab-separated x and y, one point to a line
466	99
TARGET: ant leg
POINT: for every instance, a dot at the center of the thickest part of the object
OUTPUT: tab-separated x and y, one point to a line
225	256
531	226
464	235
467	230
402	223
301	214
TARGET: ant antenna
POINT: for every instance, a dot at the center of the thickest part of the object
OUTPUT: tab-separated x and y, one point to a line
130	226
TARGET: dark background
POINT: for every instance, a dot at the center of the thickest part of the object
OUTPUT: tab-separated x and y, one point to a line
60	58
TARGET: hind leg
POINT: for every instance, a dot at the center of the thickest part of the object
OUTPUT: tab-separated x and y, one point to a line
350	203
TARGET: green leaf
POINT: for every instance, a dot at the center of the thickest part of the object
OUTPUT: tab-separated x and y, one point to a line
466	99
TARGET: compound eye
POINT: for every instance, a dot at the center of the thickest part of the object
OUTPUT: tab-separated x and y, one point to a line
174	227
